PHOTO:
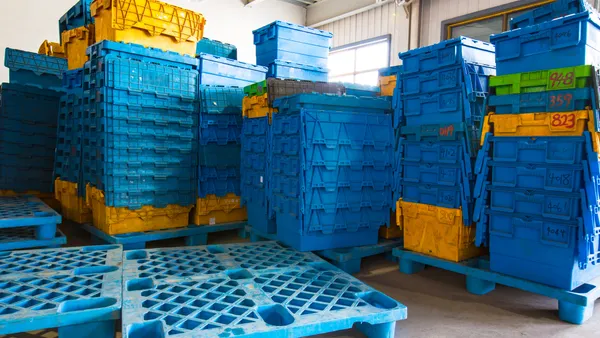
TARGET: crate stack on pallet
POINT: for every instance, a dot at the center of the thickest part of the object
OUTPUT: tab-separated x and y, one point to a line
537	185
77	33
29	112
287	50
439	112
388	88
139	153
222	79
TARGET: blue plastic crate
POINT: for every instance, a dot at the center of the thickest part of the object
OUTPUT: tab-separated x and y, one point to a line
290	42
77	16
215	100
179	118
438	195
27	103
216	48
220	129
474	78
258	217
354	89
540	150
245	287
293	104
216	70
77	290
549	12
138	183
543	250
443	106
214	155
284	69
146	55
218	181
547	204
433	173
553	177
20	211
73	80
25	177
34	69
548	101
453	52
563	42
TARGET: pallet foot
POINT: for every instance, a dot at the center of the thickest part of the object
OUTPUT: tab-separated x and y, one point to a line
478	286
134	246
201	239
573	313
45	231
243	233
255	238
383	330
103	329
410	267
351	267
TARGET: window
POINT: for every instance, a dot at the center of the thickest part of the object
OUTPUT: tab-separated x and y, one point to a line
481	26
360	62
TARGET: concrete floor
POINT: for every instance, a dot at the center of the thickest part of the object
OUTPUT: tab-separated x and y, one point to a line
438	304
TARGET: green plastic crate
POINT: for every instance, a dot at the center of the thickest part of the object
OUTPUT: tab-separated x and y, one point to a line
543	80
256	89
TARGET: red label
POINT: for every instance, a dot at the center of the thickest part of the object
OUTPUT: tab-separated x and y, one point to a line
560	79
560	100
563	120
447	131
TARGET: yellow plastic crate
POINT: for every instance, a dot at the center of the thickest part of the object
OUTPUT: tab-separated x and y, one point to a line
217	210
73	206
75	42
387	85
148	22
115	221
437	232
257	106
52	49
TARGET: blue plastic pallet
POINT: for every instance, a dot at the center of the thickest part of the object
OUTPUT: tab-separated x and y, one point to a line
575	306
193	234
257	289
216	48
449	53
531	48
77	16
34	69
549	12
77	290
290	42
548	101
24	238
29	211
283	69
349	259
215	70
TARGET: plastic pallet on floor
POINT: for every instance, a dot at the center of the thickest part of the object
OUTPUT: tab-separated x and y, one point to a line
575	306
194	235
77	290
348	259
247	290
24	238
28	211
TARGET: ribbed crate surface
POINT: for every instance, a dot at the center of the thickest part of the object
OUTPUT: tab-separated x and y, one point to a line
59	287
253	289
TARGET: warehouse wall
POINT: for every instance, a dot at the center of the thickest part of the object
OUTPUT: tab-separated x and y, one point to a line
383	20
24	24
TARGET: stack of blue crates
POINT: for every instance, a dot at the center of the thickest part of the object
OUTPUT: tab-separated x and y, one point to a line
293	52
439	109
67	160
140	125
222	79
29	107
537	205
330	173
220	132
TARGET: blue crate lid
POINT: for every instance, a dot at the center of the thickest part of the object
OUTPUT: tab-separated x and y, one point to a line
330	102
288	25
139	52
355	89
549	12
216	48
230	62
298	65
15	59
395	70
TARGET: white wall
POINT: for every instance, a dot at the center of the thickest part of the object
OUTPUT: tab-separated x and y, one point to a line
386	19
25	24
